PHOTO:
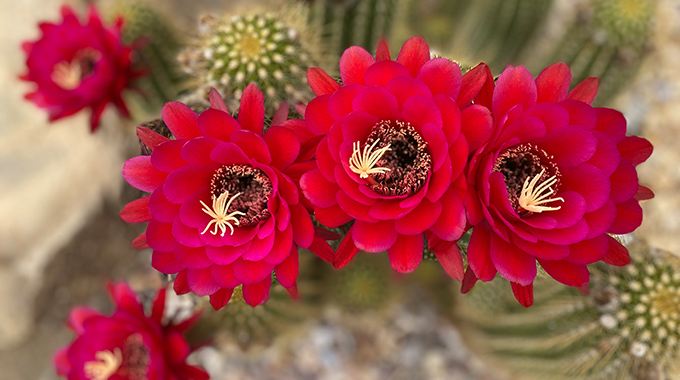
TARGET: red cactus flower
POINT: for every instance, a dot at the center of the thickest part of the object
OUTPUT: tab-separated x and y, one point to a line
128	345
392	154
556	176
224	208
78	66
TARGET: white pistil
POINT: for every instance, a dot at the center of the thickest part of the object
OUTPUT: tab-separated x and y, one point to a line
219	210
532	196
107	364
363	163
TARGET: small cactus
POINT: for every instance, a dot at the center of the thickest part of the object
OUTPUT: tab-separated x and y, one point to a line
625	328
268	49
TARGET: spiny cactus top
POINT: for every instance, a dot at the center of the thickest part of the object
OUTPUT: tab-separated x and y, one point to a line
78	66
265	49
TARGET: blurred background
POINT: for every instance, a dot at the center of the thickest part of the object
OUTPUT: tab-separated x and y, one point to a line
61	190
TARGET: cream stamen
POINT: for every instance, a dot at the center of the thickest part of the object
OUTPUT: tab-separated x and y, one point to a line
363	163
107	364
219	210
532	197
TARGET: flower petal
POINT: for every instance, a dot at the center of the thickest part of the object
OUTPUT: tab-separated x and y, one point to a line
141	174
406	253
217	124
320	82
414	54
353	65
251	111
553	83
479	255
256	294
374	237
181	120
514	86
284	146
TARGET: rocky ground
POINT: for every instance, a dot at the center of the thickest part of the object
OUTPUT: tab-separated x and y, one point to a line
61	238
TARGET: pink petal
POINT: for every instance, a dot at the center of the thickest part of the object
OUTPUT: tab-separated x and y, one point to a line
635	150
283	243
284	146
78	316
253	145
611	122
436	144
225	255
216	101
542	250
303	229
317	189
606	157
628	217
229	153
644	193
259	248
552	84
476	124
251	272
356	127
224	276
469	281
165	262
185	181
61	361
136	211
181	120
511	262
567	273
382	72
405	87
472	83
571	145
320	82
442	76
580	113
382	51
287	271
201	282
159	236
406	253
139	173
256	294
451	117
150	138
386	209
186	235
160	208
220	298
451	260
420	111
353	65
281	115
166	157
353	208
414	54
588	251
140	242
332	217
241	236
585	91
601	220
322	249
514	86
441	179
340	103
217	124
624	182
197	151
346	251
588	181
523	294
374	237
192	258
180	284
317	116
377	101
251	111
564	236
479	256
451	223
419	219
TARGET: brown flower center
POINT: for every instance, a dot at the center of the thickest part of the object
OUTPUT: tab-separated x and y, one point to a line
531	177
69	75
254	188
403	162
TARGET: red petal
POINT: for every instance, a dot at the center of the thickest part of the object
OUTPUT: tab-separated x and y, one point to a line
200	281
166	157
511	262
469	280
317	189
251	272
353	65
588	251
322	249
253	145
139	173
140	242
567	273
451	223
585	91
284	146
150	138
380	73
624	182
414	54
514	86
192	258
451	260
617	254
180	284
217	124
224	276
216	101
287	271
377	101
332	217
159	236
479	256
644	193
198	150
319	121
346	251
256	294
303	229
320	82
229	154
374	237
419	219
220	298
476	124
472	83
251	112
523	294
553	83
441	76
611	122
165	262
78	316
181	120
281	114
185	181
382	52
635	150
136	211
159	305
406	253
628	217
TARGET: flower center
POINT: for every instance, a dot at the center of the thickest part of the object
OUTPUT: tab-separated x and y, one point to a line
131	363
531	178
394	160
69	75
253	188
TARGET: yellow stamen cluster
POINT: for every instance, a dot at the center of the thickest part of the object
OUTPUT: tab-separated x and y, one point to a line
107	364
532	196
363	163
219	210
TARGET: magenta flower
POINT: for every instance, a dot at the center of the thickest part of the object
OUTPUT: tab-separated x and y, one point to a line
78	66
224	208
392	154
556	176
128	345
